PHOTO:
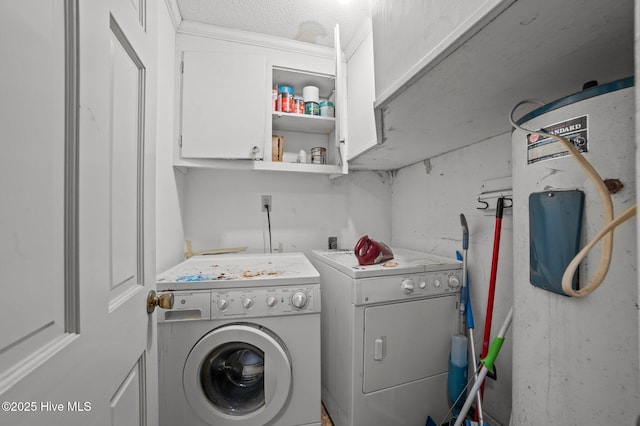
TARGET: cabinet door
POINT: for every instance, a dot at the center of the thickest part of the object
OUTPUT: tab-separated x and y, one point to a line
360	98
340	103
223	105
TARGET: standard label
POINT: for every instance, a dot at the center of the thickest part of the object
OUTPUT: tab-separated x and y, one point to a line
540	148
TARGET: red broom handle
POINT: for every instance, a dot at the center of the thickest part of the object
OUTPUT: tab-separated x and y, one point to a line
492	287
492	282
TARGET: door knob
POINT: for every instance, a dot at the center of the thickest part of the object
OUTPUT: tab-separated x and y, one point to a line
164	301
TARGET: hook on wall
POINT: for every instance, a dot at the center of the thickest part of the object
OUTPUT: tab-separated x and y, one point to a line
509	204
485	205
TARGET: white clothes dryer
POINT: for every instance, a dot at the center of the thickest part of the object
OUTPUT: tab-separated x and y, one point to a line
241	345
386	340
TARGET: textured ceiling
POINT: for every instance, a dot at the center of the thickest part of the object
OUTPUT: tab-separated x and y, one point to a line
310	21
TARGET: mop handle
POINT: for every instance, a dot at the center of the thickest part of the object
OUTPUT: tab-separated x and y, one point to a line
465	232
465	247
487	363
463	288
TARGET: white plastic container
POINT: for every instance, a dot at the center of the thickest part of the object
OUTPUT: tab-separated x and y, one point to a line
310	94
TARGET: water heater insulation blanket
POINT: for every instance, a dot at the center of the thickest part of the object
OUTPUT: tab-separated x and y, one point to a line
555	223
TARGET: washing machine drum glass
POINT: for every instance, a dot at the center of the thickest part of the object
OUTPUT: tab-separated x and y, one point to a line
238	374
232	378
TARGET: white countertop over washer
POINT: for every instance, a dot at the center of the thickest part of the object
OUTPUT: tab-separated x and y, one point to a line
404	262
239	270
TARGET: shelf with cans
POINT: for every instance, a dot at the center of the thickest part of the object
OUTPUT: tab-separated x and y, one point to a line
309	108
303	118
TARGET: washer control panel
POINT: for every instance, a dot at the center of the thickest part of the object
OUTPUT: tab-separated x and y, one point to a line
242	303
259	302
188	306
409	286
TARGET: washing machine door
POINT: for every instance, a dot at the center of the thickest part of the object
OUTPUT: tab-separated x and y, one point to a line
238	374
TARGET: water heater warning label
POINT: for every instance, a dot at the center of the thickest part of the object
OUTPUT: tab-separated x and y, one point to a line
540	148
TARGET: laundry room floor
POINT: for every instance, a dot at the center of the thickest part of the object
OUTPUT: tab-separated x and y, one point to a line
326	420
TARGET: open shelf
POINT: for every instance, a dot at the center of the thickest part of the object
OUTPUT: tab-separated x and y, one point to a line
284	121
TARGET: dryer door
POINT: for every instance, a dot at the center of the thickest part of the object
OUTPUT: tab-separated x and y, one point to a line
238	374
407	341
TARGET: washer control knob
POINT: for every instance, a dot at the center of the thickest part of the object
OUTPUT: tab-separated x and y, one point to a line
222	304
299	299
454	282
272	301
247	303
407	286
423	284
436	283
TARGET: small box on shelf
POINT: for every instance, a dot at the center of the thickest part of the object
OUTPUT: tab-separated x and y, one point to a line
277	145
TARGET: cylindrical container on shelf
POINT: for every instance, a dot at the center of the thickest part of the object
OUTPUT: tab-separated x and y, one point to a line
311	108
326	108
285	96
318	155
274	99
298	104
311	95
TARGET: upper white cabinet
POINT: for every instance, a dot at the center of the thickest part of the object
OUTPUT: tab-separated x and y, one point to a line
448	73
223	103
225	93
361	126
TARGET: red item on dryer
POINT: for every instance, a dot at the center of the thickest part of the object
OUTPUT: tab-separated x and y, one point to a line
370	252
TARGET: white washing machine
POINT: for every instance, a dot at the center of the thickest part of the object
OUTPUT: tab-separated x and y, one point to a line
241	345
386	333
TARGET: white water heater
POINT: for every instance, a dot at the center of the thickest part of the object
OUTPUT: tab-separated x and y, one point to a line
575	360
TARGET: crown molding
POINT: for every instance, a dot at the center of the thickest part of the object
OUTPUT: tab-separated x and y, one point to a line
363	31
174	13
238	36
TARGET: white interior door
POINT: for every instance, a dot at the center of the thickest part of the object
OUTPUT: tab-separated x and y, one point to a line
77	346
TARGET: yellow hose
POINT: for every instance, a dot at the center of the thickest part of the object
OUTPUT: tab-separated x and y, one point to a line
606	234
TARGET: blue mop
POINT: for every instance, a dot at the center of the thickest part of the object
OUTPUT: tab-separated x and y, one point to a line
474	359
458	358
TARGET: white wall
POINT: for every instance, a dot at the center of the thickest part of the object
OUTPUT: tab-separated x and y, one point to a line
169	183
427	200
222	209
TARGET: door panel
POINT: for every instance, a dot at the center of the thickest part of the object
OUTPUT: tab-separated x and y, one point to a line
127	131
32	182
127	404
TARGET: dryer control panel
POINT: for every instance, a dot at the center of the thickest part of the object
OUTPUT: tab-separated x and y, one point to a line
408	286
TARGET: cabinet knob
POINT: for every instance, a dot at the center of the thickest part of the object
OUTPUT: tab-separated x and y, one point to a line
255	150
